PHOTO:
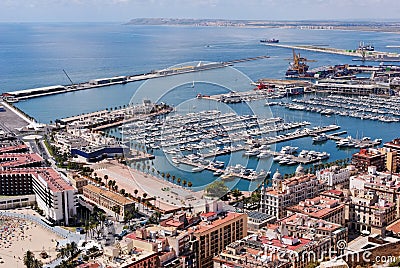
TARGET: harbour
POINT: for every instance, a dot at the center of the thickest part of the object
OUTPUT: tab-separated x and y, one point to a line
69	104
170	143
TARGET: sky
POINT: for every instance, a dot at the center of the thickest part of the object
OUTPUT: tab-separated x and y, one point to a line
124	10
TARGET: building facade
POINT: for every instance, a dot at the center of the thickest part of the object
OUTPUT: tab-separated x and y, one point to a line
334	176
213	235
288	192
369	157
109	200
53	194
321	208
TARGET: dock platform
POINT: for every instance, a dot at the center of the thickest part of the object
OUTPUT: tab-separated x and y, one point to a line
103	82
369	55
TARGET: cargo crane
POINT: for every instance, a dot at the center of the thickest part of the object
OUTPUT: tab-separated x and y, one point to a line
298	67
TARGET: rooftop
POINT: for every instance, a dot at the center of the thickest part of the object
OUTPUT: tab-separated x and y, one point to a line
394	227
302	220
205	226
49	176
10	160
11	148
108	194
317	207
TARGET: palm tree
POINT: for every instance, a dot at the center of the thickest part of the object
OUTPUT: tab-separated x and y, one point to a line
122	191
135	192
106	178
37	264
29	259
236	193
109	184
62	253
189	184
178	180
144	195
184	183
169	175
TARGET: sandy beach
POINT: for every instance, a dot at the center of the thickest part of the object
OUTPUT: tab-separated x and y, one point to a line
19	235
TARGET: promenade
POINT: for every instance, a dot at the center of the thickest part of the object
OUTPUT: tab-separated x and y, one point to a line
168	196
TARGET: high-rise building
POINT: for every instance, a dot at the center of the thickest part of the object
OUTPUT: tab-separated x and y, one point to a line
215	232
369	157
53	194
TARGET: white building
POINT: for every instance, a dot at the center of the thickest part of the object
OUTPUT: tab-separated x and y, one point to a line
53	194
334	175
288	192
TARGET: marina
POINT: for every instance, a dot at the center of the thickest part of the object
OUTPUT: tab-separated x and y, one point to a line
280	91
363	107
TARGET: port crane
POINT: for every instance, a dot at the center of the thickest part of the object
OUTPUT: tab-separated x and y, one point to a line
299	64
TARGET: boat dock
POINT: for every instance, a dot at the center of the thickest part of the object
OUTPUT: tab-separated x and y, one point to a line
296	159
357	143
214	169
273	140
301	135
14	96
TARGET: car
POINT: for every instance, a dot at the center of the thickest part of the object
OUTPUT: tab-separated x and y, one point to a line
123	233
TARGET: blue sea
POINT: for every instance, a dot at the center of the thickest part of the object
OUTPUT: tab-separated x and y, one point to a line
35	55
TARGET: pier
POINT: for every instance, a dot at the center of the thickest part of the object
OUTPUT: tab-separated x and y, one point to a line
297	159
214	169
360	55
14	96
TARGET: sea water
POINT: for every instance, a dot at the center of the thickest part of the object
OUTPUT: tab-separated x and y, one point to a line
35	55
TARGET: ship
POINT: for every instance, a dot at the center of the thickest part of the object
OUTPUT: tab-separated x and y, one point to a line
366	47
273	40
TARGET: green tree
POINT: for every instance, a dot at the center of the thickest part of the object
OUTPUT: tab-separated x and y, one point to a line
216	189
